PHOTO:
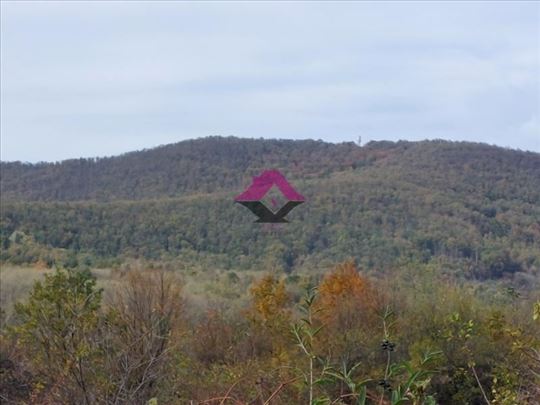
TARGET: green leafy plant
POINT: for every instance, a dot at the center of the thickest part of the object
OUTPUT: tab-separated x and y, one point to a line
305	333
416	379
357	389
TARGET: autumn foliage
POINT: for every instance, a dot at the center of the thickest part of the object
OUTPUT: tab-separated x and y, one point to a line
347	305
343	341
344	285
270	300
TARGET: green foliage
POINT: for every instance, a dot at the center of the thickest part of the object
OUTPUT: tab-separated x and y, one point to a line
470	208
82	351
56	326
416	383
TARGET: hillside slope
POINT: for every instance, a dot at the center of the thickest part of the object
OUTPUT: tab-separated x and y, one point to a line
470	209
202	165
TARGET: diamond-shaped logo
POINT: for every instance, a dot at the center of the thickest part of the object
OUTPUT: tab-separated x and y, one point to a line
254	195
274	199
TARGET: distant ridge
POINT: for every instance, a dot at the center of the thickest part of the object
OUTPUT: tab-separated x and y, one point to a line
470	209
210	164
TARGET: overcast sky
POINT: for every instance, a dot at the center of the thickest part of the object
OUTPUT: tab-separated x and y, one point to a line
103	78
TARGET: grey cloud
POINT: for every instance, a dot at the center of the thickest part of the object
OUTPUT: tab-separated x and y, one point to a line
103	78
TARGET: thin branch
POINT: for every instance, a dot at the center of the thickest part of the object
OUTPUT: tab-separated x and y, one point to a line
281	386
229	392
480	385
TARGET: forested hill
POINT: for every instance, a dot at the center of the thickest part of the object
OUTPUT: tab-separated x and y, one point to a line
469	208
203	165
215	164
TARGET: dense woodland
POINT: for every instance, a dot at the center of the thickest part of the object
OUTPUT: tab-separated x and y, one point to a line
473	207
411	275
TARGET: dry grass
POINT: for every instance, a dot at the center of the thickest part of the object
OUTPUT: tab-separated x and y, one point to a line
15	284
